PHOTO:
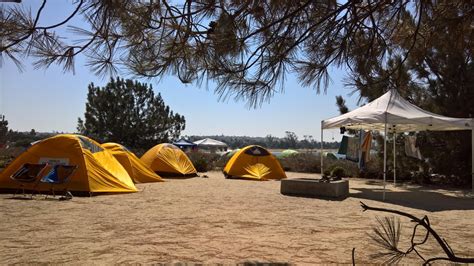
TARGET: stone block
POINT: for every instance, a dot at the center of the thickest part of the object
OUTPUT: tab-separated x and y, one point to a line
310	187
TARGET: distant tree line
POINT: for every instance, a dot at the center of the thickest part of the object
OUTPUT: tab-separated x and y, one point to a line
290	141
11	138
24	139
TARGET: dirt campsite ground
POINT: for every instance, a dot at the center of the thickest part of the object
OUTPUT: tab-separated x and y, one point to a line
214	220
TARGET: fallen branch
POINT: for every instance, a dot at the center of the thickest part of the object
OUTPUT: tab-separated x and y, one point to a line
424	222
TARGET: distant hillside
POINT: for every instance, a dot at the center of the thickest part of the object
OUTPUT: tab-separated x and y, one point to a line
291	141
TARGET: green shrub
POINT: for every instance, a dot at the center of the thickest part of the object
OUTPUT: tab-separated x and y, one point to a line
204	161
4	162
421	178
7	155
23	143
220	162
201	165
350	168
311	163
301	162
327	172
331	156
373	169
338	172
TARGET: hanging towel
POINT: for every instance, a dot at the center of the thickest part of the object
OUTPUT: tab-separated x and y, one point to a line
411	150
366	145
353	148
343	146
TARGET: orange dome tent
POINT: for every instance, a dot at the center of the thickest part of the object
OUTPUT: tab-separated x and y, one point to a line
137	170
97	169
254	162
168	160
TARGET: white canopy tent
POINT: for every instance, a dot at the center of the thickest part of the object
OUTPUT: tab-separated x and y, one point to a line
210	143
391	113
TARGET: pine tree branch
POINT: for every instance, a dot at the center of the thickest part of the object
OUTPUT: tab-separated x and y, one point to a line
425	223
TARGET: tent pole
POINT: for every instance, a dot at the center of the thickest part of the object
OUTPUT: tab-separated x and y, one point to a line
394	159
321	152
472	159
384	159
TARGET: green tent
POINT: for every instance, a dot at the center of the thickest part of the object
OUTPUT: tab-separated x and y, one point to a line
288	153
231	152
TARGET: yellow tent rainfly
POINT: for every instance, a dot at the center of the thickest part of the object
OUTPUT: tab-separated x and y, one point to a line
137	170
97	169
168	160
254	162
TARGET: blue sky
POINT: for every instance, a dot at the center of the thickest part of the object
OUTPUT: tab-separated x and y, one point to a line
50	100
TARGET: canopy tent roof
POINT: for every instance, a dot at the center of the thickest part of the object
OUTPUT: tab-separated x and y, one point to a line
399	115
184	143
210	143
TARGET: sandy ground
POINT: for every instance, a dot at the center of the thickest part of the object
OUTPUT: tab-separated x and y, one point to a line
214	220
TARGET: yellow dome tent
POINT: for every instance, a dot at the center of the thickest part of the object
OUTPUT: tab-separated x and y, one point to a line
168	160
137	170
254	162
97	169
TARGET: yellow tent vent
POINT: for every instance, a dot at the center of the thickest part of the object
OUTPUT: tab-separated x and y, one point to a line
257	171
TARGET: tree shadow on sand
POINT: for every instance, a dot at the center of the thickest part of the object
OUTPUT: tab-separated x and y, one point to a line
422	198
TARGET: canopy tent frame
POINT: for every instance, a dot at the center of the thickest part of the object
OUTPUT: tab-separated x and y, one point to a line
404	117
394	158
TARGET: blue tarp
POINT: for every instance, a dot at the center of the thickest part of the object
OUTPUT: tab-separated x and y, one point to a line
182	143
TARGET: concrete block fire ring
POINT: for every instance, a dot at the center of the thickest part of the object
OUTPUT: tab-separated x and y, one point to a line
314	188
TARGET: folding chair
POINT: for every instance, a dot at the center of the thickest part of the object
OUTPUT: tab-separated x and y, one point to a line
28	173
59	175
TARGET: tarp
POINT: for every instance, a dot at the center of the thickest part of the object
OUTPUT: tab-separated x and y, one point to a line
168	160
182	143
97	169
400	116
137	170
254	162
210	143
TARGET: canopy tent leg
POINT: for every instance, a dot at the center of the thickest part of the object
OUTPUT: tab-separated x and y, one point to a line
394	159
321	152
384	160
472	159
